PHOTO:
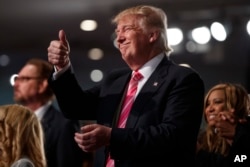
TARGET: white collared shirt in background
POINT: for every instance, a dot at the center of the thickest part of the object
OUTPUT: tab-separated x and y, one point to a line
41	110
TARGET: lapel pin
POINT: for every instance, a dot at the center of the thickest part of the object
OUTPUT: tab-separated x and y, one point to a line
155	83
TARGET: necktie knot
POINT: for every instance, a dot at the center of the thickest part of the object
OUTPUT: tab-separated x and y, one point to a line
137	76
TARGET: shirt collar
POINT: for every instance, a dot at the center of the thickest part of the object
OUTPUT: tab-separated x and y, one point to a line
41	110
148	68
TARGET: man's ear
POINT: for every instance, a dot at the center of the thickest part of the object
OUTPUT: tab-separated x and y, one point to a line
43	86
153	36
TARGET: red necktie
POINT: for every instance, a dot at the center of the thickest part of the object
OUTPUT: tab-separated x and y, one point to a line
129	99
127	104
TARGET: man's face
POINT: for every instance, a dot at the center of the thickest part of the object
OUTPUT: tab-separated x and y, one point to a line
26	86
131	40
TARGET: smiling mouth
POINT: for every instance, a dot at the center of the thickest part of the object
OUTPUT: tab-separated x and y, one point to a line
123	45
211	116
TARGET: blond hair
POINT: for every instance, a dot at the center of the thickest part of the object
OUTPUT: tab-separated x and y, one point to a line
150	17
236	97
21	135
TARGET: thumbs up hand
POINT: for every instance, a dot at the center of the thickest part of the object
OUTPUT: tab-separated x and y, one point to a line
58	51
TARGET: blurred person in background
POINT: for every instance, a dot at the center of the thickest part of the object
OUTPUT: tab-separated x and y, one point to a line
21	138
31	89
225	139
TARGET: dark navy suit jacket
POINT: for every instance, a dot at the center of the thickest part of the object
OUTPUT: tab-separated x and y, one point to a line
163	124
60	147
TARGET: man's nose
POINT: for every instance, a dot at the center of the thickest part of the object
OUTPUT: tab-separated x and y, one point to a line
120	37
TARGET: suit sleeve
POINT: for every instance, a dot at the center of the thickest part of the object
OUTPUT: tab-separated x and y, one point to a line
68	152
74	102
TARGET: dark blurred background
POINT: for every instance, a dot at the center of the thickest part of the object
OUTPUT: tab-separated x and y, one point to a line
28	26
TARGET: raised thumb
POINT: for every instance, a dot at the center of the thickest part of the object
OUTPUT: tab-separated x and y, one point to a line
63	38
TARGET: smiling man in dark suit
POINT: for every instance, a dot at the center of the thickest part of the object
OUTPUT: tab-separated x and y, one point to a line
162	125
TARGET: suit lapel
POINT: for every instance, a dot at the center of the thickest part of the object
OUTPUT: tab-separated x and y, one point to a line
155	81
47	120
115	91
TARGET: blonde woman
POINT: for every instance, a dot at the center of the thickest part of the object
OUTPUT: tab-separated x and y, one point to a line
226	135
21	138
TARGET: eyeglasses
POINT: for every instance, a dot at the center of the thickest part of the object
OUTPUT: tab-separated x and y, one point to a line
24	78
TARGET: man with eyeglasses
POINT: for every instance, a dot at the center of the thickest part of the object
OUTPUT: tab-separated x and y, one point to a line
31	89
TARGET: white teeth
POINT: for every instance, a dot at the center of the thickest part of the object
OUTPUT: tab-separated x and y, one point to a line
211	116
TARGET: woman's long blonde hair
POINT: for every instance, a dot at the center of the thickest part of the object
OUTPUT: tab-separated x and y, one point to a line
21	135
236	97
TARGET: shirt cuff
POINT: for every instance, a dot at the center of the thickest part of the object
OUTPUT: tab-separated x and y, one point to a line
57	73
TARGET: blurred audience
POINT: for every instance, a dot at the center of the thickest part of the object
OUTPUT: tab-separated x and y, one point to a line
225	139
21	138
31	89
